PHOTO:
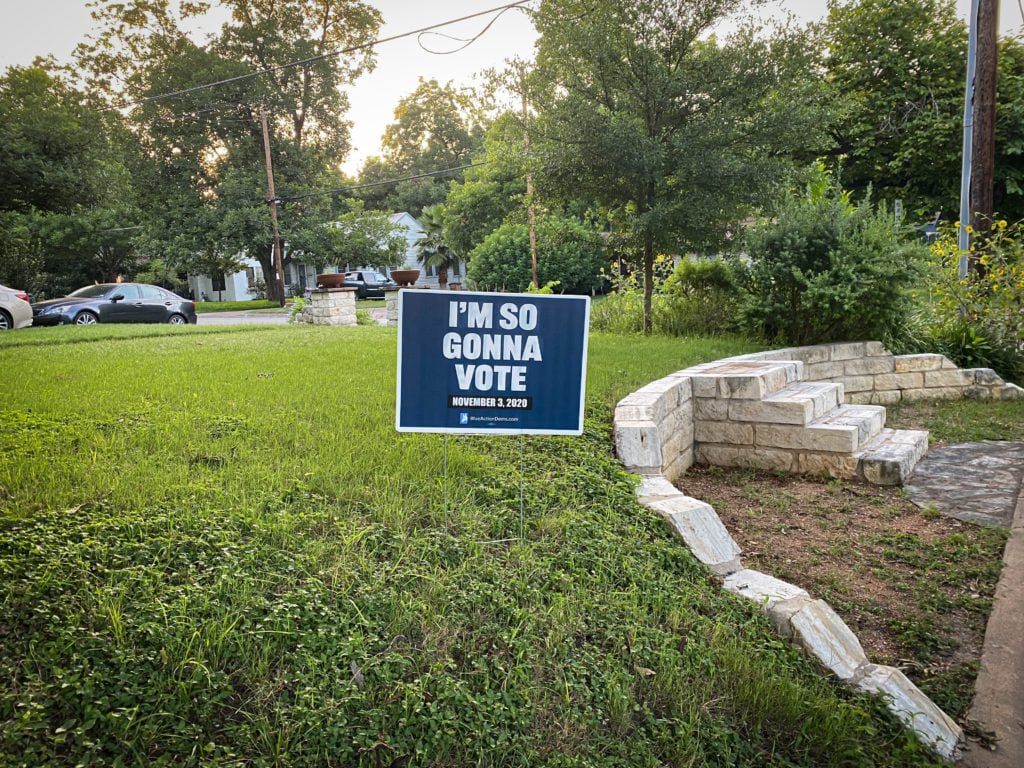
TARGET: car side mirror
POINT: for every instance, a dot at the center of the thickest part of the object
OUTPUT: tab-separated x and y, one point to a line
117	297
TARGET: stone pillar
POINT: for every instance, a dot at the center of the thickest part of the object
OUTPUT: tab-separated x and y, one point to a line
391	307
331	306
391	302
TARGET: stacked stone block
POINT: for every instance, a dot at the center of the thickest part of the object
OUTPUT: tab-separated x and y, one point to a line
870	374
808	410
654	426
331	306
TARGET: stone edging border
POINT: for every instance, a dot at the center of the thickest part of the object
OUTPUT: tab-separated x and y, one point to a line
655	437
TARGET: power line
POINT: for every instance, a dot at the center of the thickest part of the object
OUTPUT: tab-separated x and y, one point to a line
339	190
466	42
319	57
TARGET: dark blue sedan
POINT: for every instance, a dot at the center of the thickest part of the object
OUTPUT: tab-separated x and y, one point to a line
115	303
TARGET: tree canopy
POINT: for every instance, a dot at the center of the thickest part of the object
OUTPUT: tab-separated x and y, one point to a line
674	133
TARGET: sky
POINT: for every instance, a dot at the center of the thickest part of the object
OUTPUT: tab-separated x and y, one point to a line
53	27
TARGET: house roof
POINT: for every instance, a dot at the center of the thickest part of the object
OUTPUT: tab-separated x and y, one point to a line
403	217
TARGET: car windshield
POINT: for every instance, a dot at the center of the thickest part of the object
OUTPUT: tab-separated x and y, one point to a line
91	291
377	277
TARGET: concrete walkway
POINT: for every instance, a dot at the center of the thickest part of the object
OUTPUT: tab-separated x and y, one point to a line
984	483
248	317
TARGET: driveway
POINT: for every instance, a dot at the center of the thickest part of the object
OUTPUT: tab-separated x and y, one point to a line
264	317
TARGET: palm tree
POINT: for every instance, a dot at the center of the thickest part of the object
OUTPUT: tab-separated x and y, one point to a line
433	250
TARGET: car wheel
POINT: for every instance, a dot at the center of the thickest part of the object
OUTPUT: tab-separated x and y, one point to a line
6	323
177	320
86	318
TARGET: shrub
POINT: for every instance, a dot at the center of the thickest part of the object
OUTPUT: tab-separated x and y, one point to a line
976	321
567	253
827	270
696	298
701	298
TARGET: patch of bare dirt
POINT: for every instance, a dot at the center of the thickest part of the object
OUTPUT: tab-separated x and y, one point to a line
914	586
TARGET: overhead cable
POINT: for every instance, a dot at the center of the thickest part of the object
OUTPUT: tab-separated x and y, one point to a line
319	57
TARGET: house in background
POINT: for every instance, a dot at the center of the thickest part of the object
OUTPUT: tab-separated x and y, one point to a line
250	283
244	285
413	232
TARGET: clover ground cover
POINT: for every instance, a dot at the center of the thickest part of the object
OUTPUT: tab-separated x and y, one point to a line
215	550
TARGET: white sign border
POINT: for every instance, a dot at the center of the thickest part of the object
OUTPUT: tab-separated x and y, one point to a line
495	431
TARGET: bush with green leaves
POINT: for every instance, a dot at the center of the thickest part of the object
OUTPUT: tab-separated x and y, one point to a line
701	297
567	253
824	269
697	297
978	320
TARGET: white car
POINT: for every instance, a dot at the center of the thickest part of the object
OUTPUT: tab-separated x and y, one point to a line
15	311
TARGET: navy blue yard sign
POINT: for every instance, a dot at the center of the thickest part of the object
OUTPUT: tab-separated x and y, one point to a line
494	363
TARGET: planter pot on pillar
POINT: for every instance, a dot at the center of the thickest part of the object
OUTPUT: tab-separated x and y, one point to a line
333	280
405	277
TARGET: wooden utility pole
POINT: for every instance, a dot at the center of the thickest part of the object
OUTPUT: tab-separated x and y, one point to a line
529	197
983	151
272	201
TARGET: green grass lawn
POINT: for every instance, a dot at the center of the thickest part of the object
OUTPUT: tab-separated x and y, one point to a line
216	550
204	307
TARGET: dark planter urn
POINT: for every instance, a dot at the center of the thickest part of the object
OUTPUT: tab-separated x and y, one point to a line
405	277
331	280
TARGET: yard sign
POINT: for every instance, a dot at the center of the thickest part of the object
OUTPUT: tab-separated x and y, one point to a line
491	363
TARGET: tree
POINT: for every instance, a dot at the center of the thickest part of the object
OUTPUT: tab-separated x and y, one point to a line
67	190
432	247
570	255
355	238
436	127
676	135
896	78
491	192
205	146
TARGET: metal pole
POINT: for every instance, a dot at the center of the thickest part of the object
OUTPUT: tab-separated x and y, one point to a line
968	146
272	200
522	472
445	475
529	198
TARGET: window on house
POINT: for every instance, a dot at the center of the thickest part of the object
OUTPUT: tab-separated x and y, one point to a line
250	277
219	282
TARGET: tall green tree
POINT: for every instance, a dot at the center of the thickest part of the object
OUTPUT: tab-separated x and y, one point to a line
205	145
489	193
676	134
896	78
67	192
435	127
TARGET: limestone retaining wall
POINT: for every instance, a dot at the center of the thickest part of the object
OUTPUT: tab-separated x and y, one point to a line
718	410
871	374
688	416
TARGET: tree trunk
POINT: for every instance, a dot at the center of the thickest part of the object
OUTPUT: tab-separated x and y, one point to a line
648	280
266	259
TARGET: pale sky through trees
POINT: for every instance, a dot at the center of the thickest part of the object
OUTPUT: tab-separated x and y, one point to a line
42	27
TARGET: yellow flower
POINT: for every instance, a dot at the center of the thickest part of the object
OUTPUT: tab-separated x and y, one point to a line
1001	223
970	229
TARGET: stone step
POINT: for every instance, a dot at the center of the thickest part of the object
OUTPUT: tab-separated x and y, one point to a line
743	380
890	458
842	430
798	403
